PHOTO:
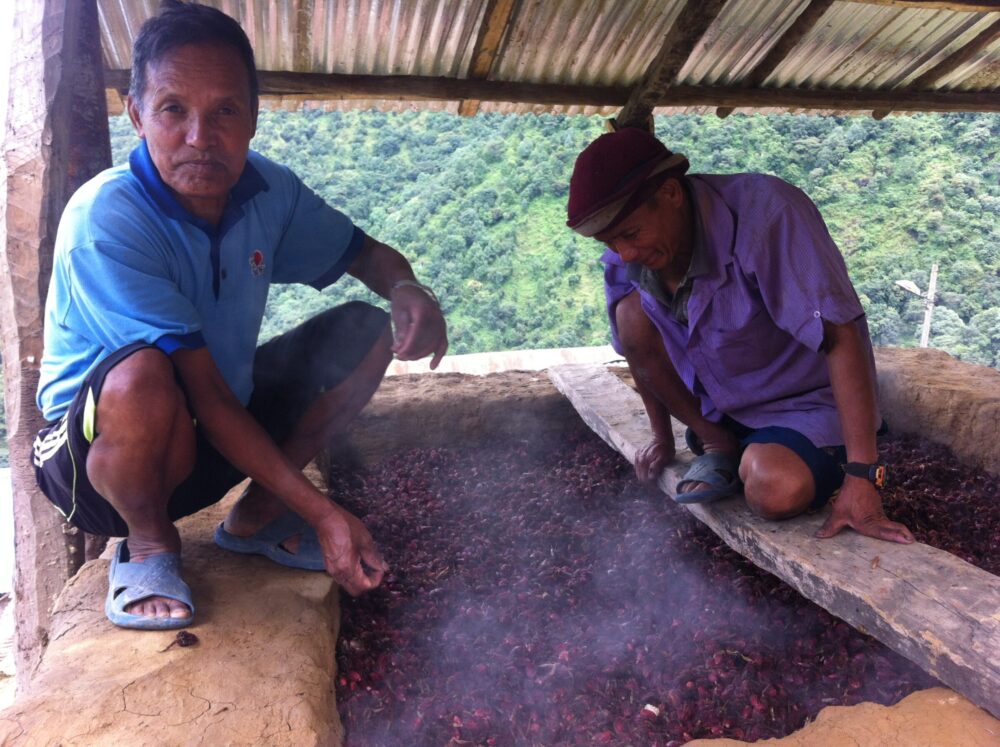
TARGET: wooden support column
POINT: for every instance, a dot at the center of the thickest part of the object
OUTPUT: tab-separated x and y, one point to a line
495	22
56	138
686	31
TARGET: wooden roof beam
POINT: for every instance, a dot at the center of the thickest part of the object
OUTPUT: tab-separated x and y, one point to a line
491	33
964	6
951	63
802	25
690	26
333	87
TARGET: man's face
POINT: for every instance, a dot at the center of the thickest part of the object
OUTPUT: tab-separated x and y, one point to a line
197	119
657	234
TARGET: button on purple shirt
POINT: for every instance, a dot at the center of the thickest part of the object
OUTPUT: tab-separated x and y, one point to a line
750	349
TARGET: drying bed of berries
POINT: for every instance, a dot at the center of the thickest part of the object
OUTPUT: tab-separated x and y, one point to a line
539	595
944	503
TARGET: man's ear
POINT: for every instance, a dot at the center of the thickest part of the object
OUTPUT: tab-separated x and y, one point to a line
135	114
671	191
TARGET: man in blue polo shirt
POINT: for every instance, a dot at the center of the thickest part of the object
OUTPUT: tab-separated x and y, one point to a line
158	398
734	310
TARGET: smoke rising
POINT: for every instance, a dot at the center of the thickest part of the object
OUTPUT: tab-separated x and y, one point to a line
541	596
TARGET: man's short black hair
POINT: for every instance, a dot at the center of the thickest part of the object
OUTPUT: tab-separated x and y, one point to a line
178	24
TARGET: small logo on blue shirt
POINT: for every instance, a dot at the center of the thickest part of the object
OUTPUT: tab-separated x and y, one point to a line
257	263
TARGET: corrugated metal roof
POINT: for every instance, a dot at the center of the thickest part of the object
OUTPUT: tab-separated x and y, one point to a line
855	46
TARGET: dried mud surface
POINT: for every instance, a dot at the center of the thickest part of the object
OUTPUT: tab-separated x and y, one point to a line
541	596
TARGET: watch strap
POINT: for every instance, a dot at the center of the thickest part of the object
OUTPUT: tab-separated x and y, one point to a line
874	473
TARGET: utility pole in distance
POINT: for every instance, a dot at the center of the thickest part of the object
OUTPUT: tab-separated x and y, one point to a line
910	286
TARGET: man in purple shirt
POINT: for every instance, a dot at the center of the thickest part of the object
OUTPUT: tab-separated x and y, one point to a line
734	310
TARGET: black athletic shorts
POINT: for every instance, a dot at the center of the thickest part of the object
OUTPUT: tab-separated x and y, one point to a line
290	371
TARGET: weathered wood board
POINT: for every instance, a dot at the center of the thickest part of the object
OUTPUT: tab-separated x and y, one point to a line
930	606
55	138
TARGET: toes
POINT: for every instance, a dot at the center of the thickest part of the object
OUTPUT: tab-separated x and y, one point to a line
159	607
690	488
180	611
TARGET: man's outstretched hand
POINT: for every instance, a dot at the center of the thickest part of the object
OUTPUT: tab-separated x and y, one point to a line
651	459
350	553
419	328
859	507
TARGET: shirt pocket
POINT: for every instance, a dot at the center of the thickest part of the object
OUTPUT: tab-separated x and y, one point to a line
743	338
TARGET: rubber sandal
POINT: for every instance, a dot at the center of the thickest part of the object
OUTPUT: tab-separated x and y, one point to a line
693	442
710	469
156	576
267	542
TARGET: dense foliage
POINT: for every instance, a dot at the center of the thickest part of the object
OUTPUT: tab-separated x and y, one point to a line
478	204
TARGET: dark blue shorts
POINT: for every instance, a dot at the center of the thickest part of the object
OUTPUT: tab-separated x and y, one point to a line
290	372
823	462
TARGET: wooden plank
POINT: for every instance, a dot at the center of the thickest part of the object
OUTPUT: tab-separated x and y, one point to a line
496	19
56	138
691	24
303	42
338	87
933	608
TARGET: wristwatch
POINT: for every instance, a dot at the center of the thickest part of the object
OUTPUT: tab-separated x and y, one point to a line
874	473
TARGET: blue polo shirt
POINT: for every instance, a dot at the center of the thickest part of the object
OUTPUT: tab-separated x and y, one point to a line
132	265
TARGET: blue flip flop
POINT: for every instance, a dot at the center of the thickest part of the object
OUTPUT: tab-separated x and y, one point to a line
693	442
267	542
156	576
711	469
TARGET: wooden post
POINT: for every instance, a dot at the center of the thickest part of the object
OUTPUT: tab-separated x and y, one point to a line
56	137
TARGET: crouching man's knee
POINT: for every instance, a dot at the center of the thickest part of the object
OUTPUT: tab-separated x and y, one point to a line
776	482
142	422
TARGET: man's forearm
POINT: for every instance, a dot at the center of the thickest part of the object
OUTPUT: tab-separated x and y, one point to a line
658	414
859	505
235	434
379	267
853	390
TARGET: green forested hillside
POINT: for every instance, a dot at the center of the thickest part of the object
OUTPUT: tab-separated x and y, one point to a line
478	204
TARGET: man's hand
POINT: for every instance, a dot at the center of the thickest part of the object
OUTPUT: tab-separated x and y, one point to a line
350	553
653	457
419	328
859	506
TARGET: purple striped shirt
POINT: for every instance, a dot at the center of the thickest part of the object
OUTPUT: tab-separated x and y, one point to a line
751	348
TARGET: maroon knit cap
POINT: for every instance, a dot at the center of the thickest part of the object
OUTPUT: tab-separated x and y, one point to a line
610	172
